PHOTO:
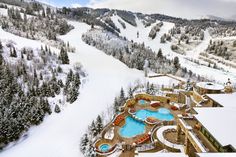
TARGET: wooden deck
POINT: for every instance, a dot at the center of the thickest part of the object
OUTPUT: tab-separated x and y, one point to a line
129	141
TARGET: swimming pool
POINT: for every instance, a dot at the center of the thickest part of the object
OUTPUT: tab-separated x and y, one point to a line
142	102
132	128
104	147
161	114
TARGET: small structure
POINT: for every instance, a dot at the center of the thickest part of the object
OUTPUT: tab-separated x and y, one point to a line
228	87
208	88
203	88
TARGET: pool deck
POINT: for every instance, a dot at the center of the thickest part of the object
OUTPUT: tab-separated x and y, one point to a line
148	128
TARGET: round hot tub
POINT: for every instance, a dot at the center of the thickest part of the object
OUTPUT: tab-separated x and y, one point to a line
104	147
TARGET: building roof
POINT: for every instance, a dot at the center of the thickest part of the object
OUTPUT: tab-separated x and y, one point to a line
226	100
220	122
164	80
216	154
210	86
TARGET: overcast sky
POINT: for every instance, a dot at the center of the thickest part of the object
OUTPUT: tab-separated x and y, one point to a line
179	8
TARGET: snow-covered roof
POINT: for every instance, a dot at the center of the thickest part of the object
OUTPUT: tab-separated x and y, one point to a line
163	80
161	155
226	100
216	154
219	122
210	86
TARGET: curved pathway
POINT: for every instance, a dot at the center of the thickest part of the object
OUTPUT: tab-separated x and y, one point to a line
161	138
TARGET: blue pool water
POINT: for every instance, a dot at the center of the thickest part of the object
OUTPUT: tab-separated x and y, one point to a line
142	102
104	147
132	128
161	114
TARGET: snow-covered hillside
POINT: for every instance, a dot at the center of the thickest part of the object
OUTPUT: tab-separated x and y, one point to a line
130	32
59	134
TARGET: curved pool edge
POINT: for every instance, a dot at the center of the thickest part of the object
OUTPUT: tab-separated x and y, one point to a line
141	125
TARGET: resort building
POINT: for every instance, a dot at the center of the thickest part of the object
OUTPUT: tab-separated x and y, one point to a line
201	89
218	127
182	122
222	100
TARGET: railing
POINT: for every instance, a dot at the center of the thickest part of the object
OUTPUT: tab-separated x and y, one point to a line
197	141
154	129
145	147
185	125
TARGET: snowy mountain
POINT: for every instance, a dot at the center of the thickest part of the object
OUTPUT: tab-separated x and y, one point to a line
61	68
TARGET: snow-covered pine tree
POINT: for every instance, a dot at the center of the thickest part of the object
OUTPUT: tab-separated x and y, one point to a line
57	109
63	56
148	88
1	47
122	96
72	93
76	80
116	105
90	152
152	89
93	129
84	143
99	124
159	54
130	92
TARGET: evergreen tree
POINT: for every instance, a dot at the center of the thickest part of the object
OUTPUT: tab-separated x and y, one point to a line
176	62
1	47
90	152
159	54
1	59
63	56
93	129
116	105
57	109
76	80
25	18
122	96
152	89
99	124
130	92
72	93
59	69
69	77
148	88
84	143
43	13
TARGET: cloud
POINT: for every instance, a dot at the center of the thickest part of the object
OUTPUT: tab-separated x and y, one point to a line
76	5
179	8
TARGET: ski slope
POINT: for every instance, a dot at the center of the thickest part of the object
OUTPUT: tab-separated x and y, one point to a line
59	134
201	47
131	33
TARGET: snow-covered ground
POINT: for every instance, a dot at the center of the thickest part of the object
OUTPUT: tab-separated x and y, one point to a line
59	134
131	33
201	47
